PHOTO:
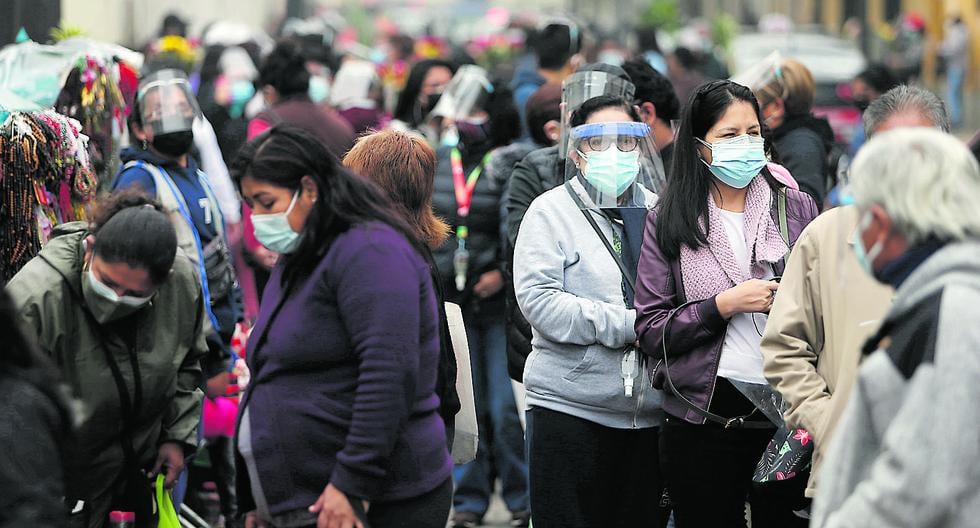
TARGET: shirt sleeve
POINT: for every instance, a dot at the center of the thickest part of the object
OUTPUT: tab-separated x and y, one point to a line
256	127
183	416
213	165
793	339
379	294
539	282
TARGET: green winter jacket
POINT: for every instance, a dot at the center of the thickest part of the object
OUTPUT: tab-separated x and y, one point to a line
169	344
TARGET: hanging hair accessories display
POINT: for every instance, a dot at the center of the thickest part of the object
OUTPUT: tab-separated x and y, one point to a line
45	179
49	169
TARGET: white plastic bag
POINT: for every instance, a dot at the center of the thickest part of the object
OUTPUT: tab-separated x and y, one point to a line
467	437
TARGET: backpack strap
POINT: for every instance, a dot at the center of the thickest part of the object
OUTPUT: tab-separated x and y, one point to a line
166	186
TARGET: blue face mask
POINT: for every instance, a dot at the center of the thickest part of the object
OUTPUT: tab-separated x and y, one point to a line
611	171
241	92
865	258
273	230
736	162
319	88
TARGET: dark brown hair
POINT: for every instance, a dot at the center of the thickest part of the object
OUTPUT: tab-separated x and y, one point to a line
404	167
282	156
131	228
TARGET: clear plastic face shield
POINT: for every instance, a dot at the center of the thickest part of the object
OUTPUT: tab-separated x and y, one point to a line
582	86
614	165
354	84
167	103
463	100
765	79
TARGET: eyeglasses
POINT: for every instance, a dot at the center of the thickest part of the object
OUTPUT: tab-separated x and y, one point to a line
623	143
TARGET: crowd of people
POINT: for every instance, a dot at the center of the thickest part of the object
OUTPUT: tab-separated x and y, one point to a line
680	308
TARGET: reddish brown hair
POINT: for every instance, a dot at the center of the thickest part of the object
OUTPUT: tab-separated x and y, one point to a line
404	167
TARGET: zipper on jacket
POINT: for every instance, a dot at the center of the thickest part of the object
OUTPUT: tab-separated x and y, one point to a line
639	399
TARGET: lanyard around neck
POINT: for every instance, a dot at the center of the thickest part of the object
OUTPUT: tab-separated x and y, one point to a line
463	185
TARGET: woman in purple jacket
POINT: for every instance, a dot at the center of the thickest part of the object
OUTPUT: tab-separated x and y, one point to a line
712	254
341	415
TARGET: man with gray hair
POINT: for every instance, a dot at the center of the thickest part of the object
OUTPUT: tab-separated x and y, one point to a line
905	106
827	307
909	440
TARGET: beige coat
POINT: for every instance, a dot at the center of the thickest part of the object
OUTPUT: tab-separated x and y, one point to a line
826	308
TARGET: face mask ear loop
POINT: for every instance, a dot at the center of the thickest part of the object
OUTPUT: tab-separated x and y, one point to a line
708	146
293	202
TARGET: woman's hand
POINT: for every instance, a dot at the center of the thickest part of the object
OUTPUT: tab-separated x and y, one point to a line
170	460
752	296
252	520
490	284
265	258
335	510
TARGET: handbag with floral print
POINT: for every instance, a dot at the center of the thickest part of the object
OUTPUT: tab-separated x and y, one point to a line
787	456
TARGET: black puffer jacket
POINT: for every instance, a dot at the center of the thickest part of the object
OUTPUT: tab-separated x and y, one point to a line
540	171
484	241
802	145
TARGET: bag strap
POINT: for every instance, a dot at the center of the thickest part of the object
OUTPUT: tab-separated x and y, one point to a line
781	215
160	176
629	279
737	422
129	408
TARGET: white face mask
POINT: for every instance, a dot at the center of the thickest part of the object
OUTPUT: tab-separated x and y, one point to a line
866	258
105	304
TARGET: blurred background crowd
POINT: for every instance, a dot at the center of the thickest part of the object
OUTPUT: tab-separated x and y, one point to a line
339	69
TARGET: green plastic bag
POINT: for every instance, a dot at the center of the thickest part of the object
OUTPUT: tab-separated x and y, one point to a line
165	507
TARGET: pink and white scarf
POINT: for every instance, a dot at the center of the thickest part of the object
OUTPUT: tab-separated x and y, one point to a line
712	269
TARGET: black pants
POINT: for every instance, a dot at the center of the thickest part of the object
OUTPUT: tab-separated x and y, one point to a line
585	475
221	472
708	471
425	511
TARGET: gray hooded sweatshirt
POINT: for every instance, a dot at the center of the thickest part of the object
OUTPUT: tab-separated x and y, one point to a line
570	290
907	451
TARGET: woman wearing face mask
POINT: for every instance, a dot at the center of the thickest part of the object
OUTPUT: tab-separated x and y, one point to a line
423	88
162	167
711	250
286	81
341	415
476	117
593	420
801	141
120	311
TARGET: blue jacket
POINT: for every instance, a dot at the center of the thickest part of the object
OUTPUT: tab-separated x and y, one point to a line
186	180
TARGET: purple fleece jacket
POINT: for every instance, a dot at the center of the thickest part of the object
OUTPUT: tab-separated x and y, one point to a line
343	389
